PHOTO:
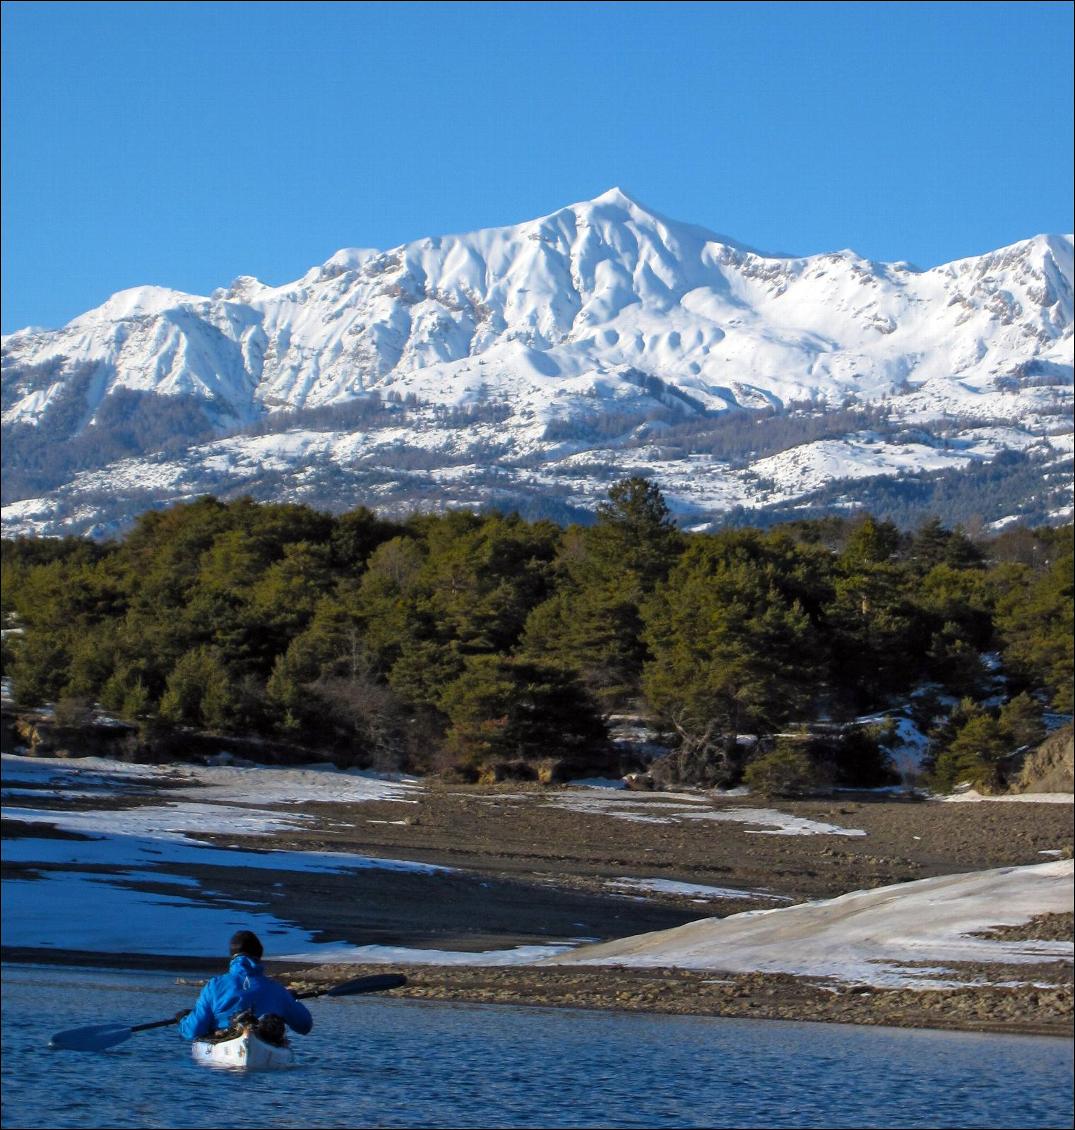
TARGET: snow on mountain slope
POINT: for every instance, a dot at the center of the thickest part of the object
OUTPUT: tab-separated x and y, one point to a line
590	289
601	308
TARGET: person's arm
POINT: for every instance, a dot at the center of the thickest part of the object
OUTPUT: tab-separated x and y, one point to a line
297	1016
201	1019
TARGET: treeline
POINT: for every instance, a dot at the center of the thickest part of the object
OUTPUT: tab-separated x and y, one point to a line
681	426
489	645
1031	487
39	456
741	436
372	410
42	455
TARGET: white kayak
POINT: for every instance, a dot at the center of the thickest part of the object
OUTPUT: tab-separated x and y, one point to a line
245	1052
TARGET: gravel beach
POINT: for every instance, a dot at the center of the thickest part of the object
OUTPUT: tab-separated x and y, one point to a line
530	866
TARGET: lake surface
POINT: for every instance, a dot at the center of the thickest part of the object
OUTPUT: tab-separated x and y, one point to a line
374	1061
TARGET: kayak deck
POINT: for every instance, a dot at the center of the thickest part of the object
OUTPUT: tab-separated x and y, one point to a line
245	1052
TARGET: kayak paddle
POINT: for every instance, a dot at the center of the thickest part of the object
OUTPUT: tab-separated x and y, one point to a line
101	1036
98	1037
377	983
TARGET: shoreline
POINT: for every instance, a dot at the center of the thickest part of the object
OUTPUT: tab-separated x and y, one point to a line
475	872
995	1009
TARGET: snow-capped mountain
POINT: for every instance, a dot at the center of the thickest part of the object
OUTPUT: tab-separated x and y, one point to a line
521	359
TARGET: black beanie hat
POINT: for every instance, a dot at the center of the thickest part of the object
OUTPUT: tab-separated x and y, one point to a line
246	941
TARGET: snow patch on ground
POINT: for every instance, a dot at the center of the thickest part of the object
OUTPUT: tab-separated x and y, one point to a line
972	796
908	746
775	823
699	890
134	851
403	955
209	800
670	808
270	785
903	935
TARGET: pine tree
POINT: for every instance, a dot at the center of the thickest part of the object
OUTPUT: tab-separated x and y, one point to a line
974	754
879	637
634	534
731	650
872	543
1021	721
504	709
1036	621
199	692
592	624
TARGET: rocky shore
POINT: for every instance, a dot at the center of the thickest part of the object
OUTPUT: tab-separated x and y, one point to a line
524	866
988	1003
1045	1011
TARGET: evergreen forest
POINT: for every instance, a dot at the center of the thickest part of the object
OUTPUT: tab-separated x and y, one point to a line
485	646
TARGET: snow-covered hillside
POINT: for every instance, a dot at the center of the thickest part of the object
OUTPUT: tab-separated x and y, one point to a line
595	337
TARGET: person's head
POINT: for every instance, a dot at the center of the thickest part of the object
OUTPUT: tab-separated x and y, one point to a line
246	942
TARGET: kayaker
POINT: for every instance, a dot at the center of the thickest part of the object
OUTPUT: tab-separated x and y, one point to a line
244	987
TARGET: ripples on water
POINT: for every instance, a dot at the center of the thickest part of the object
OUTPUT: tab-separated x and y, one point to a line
374	1061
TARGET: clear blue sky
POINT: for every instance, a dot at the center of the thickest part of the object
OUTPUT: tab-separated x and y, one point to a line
185	144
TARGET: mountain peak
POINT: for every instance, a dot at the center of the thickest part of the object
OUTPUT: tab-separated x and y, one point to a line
135	301
562	341
617	196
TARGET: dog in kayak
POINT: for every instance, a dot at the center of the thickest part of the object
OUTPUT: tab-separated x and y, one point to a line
245	988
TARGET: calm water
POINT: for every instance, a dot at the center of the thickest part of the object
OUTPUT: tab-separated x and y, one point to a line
374	1061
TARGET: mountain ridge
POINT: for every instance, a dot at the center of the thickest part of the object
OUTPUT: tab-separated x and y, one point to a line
600	310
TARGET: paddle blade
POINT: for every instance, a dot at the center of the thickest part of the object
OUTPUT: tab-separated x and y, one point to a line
92	1039
378	983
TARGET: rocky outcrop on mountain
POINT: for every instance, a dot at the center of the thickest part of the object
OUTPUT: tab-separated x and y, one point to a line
1051	767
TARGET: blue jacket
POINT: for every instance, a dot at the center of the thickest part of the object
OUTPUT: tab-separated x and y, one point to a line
244	986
